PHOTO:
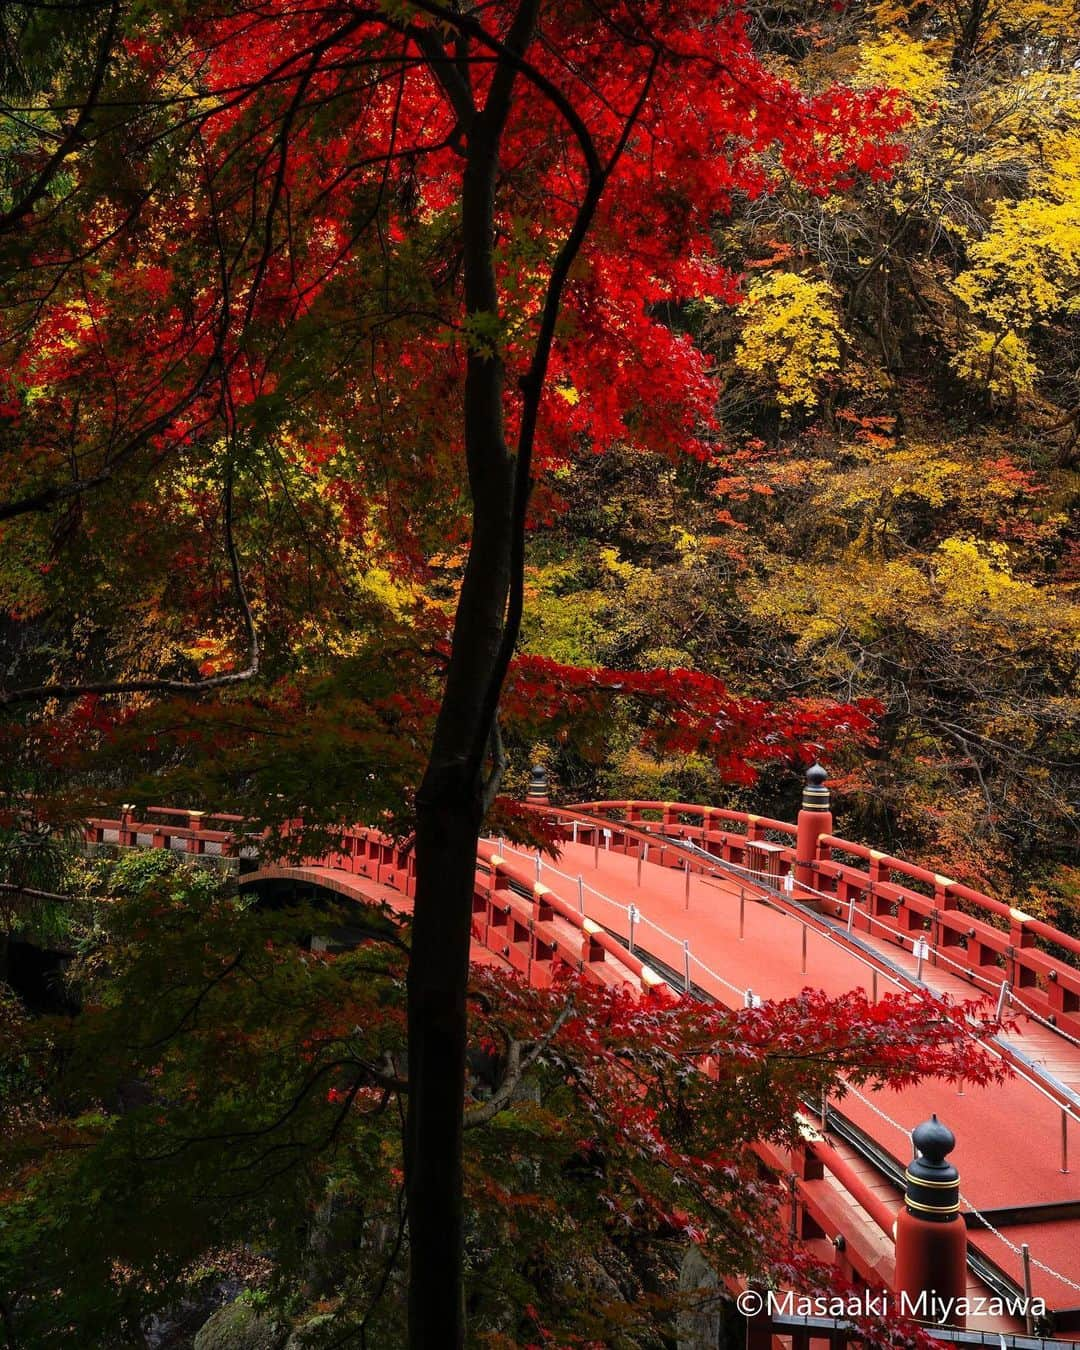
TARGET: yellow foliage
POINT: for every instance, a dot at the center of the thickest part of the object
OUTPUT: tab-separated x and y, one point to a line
1001	363
966	598
791	336
1027	266
613	564
894	61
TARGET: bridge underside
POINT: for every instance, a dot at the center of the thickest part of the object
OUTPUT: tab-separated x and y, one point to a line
284	885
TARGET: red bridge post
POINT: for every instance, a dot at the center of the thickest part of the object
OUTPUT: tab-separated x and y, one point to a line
815	819
931	1237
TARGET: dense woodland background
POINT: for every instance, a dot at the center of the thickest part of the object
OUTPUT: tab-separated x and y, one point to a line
892	508
834	513
883	508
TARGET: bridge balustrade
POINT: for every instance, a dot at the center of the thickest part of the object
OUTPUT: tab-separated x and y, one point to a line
676	820
972	934
969	933
517	918
194	836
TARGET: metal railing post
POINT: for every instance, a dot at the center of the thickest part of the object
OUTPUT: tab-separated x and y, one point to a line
639	869
1029	1320
851	911
687	892
1064	1140
804	949
1002	993
581	893
742	912
686	963
632	913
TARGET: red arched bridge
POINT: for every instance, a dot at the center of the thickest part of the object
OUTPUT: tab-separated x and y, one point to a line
671	897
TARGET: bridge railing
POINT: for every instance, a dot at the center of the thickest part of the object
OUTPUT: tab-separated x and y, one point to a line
984	940
759	844
514	915
892	897
199	833
977	937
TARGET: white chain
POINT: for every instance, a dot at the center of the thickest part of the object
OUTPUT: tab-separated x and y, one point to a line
742	993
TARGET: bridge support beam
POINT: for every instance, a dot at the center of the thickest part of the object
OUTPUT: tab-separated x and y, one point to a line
815	819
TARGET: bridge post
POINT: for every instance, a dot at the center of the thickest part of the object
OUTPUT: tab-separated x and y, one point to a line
815	819
127	835
931	1237
537	794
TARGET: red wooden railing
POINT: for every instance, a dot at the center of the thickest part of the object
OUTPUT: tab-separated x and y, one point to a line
977	937
982	939
522	921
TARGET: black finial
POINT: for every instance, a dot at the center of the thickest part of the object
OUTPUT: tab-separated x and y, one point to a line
815	794
538	785
933	1185
933	1140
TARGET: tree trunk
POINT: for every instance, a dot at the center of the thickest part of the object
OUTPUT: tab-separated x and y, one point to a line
450	800
449	816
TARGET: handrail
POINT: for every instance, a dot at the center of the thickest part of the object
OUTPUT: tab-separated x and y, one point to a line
981	945
1063	1099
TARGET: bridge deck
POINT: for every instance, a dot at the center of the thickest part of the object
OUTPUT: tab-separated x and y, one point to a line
1009	1150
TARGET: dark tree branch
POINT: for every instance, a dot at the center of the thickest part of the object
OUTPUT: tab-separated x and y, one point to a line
520	1057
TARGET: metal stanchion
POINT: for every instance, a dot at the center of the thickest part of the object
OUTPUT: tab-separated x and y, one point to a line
539	866
742	912
804	949
686	963
581	893
596	851
632	914
1029	1320
639	869
1064	1141
922	951
873	993
687	895
1003	993
851	911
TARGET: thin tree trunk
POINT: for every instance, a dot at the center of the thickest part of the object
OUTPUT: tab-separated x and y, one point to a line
450	800
450	804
